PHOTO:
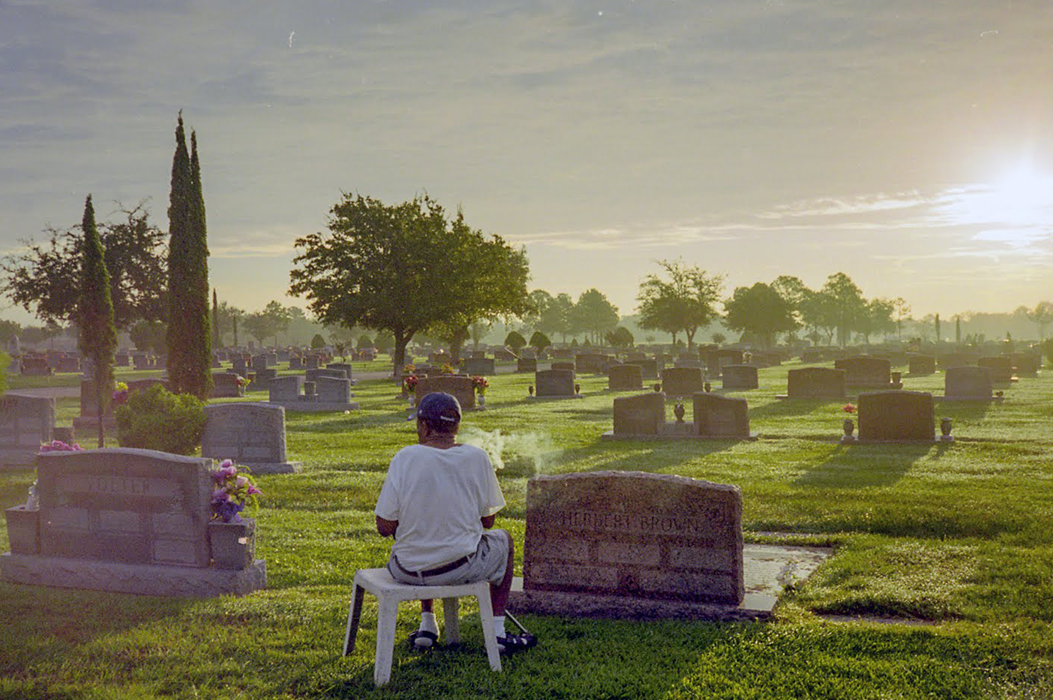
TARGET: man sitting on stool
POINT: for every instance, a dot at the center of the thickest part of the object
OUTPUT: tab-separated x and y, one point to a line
437	499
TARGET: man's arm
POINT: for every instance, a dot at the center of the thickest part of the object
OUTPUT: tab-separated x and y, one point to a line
387	528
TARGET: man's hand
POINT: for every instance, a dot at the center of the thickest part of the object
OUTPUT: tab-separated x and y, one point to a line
488	521
387	528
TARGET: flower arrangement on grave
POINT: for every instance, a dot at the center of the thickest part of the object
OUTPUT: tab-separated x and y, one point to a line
410	382
849	408
120	394
243	381
233	492
59	446
448	369
480	384
409	368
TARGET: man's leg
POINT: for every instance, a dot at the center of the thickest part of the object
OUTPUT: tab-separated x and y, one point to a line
499	592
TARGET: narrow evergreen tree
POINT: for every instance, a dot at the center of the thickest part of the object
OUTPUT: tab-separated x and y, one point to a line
189	332
215	321
98	337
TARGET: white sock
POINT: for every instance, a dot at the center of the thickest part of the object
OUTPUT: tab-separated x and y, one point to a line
499	625
428	623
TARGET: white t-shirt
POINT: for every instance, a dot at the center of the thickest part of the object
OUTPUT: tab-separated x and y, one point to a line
438	496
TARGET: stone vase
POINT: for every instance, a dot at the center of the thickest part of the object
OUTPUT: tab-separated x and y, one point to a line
23	530
233	544
482	400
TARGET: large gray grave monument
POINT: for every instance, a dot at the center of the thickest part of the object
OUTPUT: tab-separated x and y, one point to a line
126	520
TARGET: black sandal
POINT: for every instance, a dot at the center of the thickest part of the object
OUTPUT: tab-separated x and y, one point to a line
422	640
511	643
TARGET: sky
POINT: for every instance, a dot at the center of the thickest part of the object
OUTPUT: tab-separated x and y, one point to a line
907	144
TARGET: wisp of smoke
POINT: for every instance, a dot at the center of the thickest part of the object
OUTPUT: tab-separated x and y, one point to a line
527	451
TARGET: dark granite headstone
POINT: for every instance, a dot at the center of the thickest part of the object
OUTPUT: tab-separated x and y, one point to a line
566	366
956	359
458	386
967	383
643	414
681	381
1025	363
591	362
1001	368
554	382
811	356
649	368
479	366
719	416
921	364
865	371
631	534
896	416
815	383
740	377
526	364
625	378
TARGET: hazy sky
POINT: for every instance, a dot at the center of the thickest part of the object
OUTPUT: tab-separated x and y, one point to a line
905	143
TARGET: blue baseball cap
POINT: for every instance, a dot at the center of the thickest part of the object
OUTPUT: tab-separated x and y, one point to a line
438	407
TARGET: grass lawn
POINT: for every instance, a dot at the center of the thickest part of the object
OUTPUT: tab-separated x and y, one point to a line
951	543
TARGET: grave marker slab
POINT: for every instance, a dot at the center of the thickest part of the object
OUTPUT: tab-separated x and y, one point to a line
739	377
866	372
555	383
625	378
921	364
459	386
250	433
643	414
225	385
721	416
26	422
526	364
815	383
1000	368
896	416
963	383
479	366
681	381
126	520
634	534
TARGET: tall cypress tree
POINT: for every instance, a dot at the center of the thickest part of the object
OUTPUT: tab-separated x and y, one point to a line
98	337
189	333
215	321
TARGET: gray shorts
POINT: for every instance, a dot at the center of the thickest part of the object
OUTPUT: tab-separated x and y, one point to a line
487	563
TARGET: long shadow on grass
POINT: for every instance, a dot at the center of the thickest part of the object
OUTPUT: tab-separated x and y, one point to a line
638	456
15	487
59	619
866	466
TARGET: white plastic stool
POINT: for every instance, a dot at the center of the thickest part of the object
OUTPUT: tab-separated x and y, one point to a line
389	593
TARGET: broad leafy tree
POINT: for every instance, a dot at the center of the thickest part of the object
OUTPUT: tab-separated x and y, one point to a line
1042	316
554	316
268	322
44	278
759	311
843	305
98	337
406	269
539	341
876	317
515	340
189	332
683	299
620	337
594	315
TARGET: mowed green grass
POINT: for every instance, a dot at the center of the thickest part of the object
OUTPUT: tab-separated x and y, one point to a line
950	545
